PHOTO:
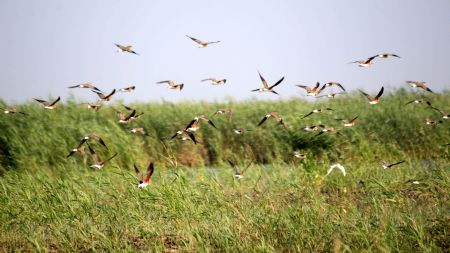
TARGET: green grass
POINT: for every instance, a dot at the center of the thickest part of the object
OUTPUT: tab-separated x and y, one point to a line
50	203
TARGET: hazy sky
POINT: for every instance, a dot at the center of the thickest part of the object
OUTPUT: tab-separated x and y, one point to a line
49	45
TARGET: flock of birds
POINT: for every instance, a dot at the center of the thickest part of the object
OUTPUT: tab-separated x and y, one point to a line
187	134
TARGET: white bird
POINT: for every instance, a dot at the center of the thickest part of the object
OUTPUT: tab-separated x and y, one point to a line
336	165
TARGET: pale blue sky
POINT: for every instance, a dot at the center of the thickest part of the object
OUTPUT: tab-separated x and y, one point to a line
49	45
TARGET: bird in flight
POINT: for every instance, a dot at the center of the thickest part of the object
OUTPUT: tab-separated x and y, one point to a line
338	166
194	125
11	111
103	97
225	111
172	85
127	89
331	84
274	115
376	99
320	110
419	101
367	63
445	115
48	105
348	122
215	81
239	174
387	166
266	85
299	155
79	149
93	136
98	164
421	85
184	135
202	44
386	55
93	106
311	91
127	49
125	119
85	86
144	181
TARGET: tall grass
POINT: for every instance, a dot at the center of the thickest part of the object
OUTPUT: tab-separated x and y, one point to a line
52	203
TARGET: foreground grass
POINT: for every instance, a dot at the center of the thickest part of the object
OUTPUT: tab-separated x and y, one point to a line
273	209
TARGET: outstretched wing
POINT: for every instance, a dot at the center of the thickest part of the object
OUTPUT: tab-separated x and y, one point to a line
150	170
380	93
277	83
263	81
262	121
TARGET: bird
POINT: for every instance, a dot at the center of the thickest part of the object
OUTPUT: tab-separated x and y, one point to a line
48	105
348	122
138	130
127	49
239	174
11	111
226	111
125	119
376	99
98	164
144	181
299	155
172	85
93	136
313	128
274	115
215	81
240	131
332	95
103	97
419	84
338	166
328	130
79	149
136	115
367	63
320	110
419	101
85	85
127	89
202	44
445	115
266	85
387	166
184	135
194	125
330	84
386	55
433	122
311	91
93	106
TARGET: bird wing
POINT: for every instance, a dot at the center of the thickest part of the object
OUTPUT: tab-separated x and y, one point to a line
367	95
263	80
94	154
390	165
190	123
380	93
191	135
277	83
248	166
196	40
262	121
150	170
307	115
41	101
56	101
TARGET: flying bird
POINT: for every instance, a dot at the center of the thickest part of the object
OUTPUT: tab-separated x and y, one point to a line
387	166
48	105
11	111
79	149
373	100
85	86
184	135
239	174
127	49
274	115
311	91
202	44
433	122
125	119
365	63
421	85
93	106
172	85
225	111
331	84
348	122
194	125
215	81
127	89
386	55
313	128
98	164
445	115
332	95
95	137
339	167
320	110
419	101
240	131
266	85
103	97
299	155
144	181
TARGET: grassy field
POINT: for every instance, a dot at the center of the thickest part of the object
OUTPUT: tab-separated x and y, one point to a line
52	203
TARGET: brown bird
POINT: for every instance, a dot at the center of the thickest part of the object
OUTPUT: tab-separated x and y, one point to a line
86	86
266	85
93	106
386	55
387	166
98	164
144	181
215	81
11	111
202	44
127	49
95	137
136	115
421	85
419	101
445	115
138	130
331	84
365	63
332	95
184	135
311	91
172	85
103	97
239	174
274	115
127	89
433	122
320	110
125	119
240	131
79	149
328	130
48	105
348	122
314	128
194	125
225	111
299	155
373	100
